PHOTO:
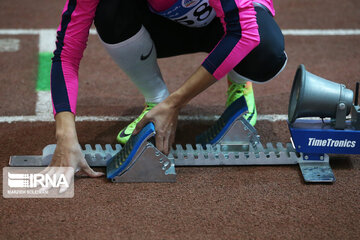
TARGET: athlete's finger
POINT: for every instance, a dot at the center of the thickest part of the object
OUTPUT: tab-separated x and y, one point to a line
159	141
166	146
167	137
171	140
69	176
140	125
90	172
52	171
45	170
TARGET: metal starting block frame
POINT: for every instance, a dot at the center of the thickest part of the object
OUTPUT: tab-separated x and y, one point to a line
240	145
147	165
237	143
150	165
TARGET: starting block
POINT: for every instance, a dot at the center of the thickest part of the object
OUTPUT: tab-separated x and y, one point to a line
231	141
141	161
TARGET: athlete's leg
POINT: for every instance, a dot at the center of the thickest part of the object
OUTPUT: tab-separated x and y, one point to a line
268	58
119	24
262	64
173	39
238	88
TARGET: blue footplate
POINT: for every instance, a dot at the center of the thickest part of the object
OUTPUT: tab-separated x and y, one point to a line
231	113
121	160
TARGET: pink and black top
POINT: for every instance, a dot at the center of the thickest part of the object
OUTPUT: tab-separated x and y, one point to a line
238	18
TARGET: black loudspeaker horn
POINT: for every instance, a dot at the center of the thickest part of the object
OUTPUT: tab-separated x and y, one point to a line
313	96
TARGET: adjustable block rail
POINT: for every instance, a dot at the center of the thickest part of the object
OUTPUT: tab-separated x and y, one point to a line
231	141
213	155
95	157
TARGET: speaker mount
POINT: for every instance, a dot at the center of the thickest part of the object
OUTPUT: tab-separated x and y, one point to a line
313	96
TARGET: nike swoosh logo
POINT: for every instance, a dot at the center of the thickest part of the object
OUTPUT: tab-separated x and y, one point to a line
251	116
123	134
142	58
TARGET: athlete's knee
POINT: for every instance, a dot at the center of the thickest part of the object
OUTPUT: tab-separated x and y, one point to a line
271	58
272	67
116	21
260	66
268	58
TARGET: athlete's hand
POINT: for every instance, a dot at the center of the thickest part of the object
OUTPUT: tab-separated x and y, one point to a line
68	152
164	116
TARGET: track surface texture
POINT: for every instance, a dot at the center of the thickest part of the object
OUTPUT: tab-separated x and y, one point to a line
205	203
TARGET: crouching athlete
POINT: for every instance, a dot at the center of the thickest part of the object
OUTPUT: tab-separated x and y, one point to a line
240	36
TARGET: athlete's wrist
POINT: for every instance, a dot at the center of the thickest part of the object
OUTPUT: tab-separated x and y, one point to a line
197	83
66	135
176	100
65	126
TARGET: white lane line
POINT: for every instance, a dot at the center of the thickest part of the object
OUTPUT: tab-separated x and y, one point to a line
43	104
9	45
21	31
47	40
297	32
50	118
272	117
266	117
321	32
47	37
